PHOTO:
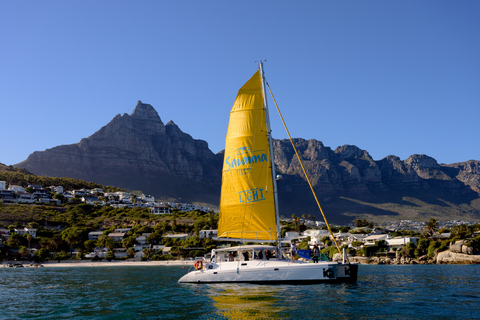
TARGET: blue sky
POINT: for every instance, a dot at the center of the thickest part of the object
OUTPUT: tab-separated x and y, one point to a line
391	77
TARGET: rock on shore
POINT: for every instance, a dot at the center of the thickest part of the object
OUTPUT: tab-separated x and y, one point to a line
457	258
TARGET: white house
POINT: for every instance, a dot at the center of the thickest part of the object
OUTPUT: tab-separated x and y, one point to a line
141	239
147	198
290	235
96	191
25	197
2	185
94	235
58	189
400	241
207	233
16	188
157	247
80	193
116	236
181	236
26	230
140	247
370	240
161	210
315	235
93	201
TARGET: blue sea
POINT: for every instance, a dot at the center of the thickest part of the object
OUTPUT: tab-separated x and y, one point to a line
152	292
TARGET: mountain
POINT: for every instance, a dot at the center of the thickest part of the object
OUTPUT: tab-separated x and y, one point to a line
139	152
350	184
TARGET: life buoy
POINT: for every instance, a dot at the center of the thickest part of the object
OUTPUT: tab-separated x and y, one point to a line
198	265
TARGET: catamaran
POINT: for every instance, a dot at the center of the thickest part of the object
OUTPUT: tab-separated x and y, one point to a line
249	209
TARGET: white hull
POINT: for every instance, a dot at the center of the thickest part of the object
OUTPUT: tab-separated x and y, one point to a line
272	271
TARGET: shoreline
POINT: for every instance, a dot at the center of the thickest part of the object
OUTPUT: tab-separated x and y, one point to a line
75	264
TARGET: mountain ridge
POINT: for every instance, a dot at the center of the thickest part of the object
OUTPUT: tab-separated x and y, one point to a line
139	152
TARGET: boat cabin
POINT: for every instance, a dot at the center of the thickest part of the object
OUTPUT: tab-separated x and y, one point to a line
245	253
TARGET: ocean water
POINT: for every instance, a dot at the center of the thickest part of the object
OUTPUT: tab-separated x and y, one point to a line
152	292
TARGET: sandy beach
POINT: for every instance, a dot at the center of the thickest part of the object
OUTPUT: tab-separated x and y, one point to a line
54	264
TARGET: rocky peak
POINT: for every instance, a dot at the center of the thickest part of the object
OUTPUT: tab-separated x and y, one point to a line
351	152
421	161
145	112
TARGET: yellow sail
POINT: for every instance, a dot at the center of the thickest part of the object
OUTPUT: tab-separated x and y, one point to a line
247	209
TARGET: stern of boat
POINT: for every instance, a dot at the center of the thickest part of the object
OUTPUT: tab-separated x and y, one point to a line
347	272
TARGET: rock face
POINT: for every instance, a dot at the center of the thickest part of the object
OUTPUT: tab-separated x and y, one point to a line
450	257
346	177
139	152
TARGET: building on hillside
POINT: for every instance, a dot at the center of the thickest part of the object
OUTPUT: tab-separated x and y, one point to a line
141	239
315	235
81	193
26	230
16	188
97	191
161	209
93	201
398	242
371	240
68	195
3	185
8	196
179	236
56	189
5	233
290	235
116	236
140	247
207	234
25	197
124	230
94	235
147	198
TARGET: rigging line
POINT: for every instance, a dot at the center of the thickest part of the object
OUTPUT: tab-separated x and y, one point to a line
304	171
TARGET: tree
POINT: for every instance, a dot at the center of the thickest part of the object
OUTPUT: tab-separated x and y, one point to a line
90	245
29	238
110	255
363	223
107	242
154	238
129	242
431	228
130	253
24	252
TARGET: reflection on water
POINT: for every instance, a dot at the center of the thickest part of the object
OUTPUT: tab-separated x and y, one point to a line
382	292
247	301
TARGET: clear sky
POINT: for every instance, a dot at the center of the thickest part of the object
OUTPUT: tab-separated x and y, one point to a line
391	77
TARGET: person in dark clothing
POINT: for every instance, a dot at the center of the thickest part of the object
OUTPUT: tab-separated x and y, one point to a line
316	253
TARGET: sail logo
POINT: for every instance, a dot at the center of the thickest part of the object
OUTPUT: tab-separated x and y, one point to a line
245	156
252	195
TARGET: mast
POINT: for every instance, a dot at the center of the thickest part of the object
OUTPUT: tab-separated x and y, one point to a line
270	144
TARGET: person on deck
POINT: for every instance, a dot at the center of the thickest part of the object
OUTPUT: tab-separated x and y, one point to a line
316	253
293	251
